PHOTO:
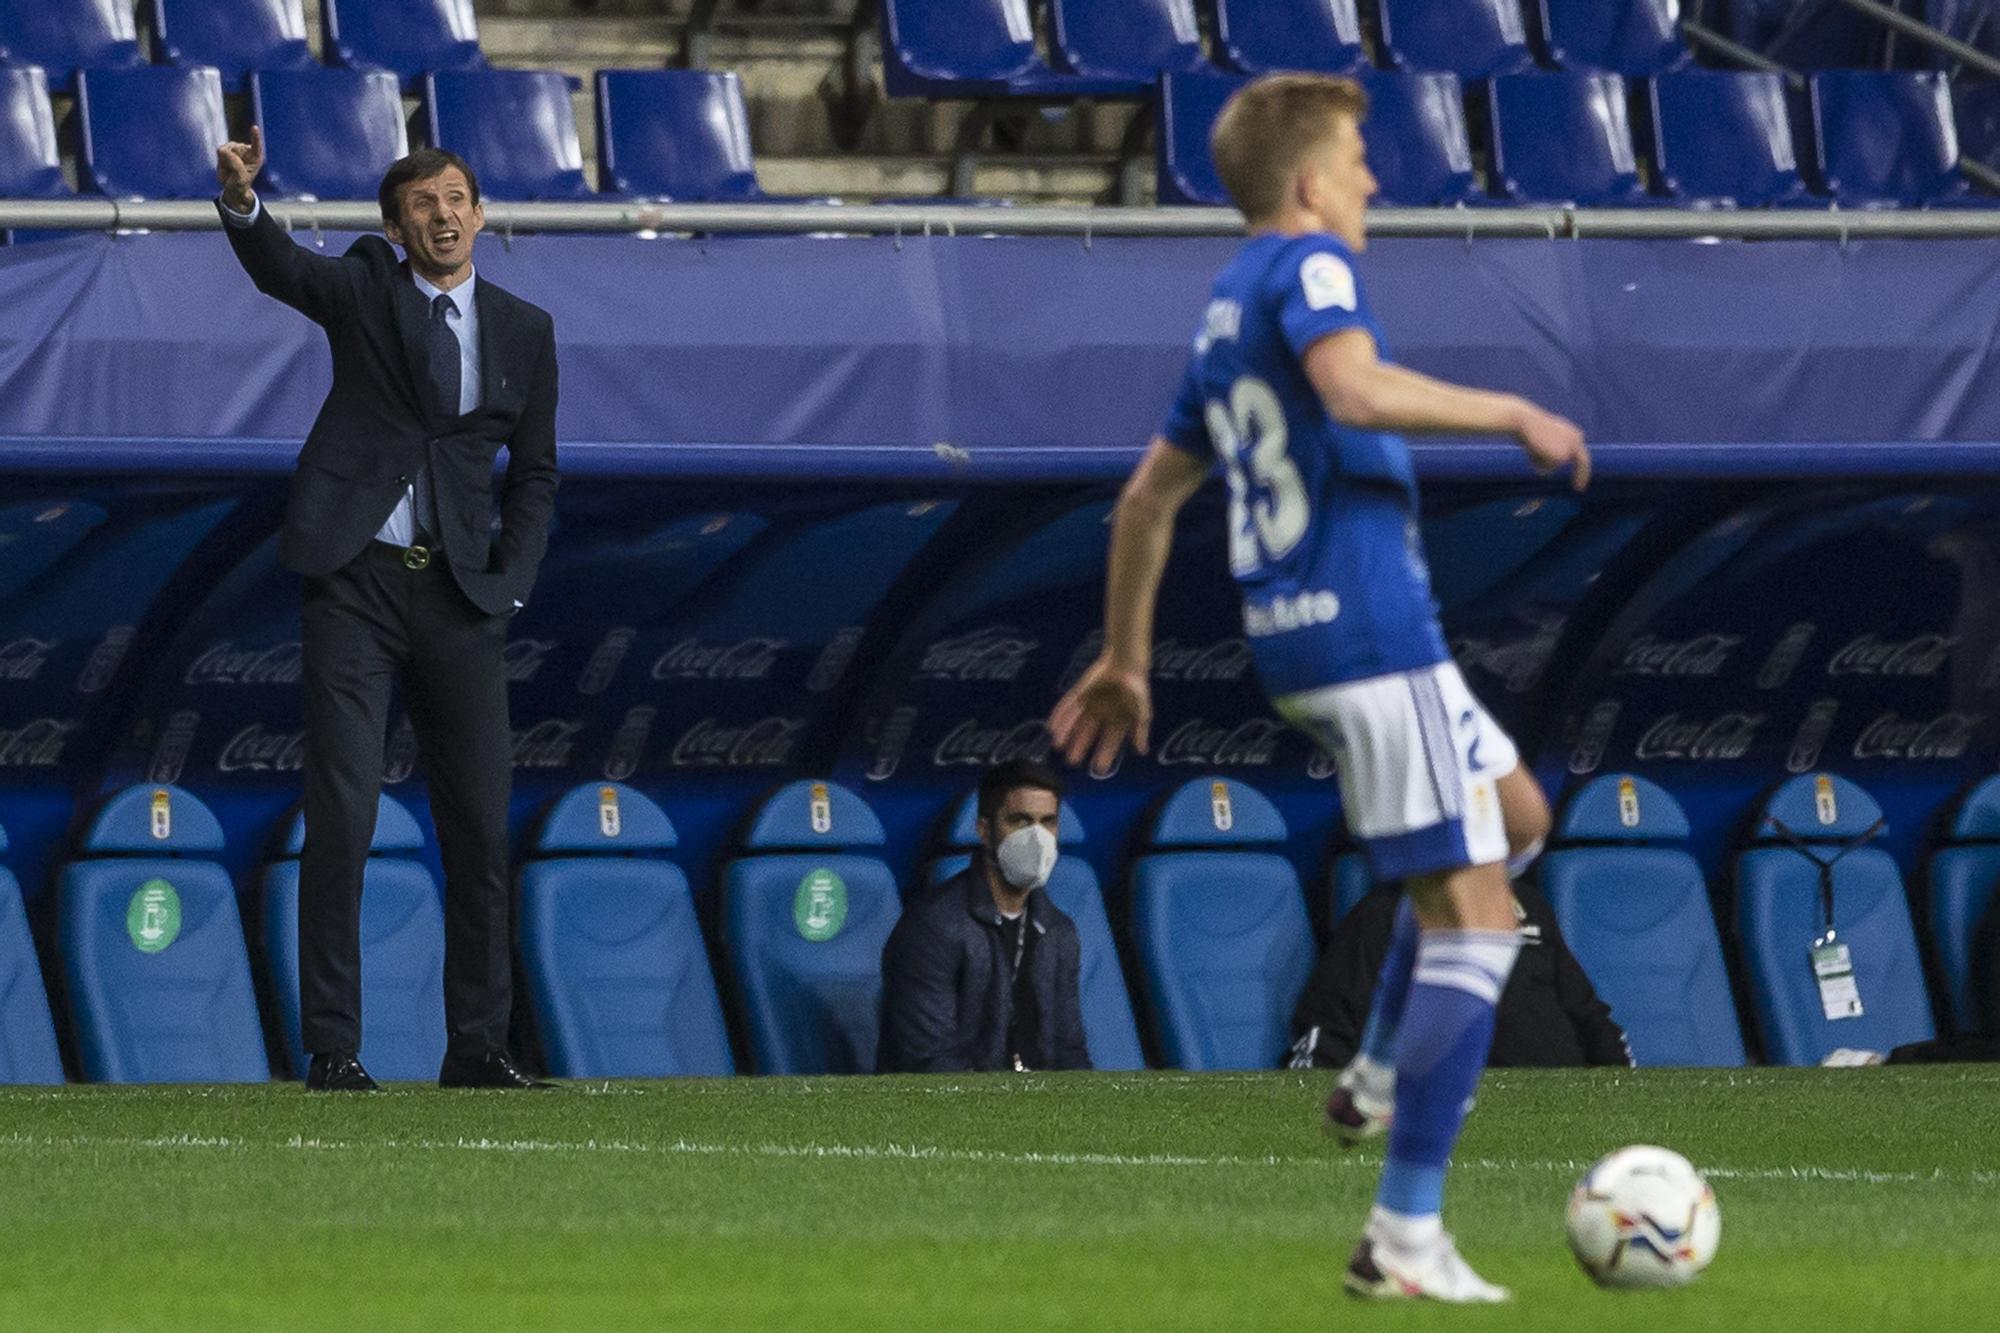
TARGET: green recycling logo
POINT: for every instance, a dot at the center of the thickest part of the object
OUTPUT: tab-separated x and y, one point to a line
820	909
153	919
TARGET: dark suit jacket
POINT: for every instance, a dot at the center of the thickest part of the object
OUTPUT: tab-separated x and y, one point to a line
380	421
947	996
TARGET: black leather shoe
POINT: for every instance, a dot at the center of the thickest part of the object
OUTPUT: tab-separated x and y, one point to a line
491	1070
338	1072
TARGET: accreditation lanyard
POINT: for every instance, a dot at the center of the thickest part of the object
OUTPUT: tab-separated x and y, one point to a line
1021	929
1832	963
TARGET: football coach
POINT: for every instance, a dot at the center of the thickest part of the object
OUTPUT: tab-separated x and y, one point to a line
390	521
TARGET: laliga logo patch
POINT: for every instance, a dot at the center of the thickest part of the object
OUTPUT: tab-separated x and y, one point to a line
1219	808
609	822
1329	283
1628	803
1824	804
821	809
163	815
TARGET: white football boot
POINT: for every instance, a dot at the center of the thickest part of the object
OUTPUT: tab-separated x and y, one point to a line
1433	1272
1362	1102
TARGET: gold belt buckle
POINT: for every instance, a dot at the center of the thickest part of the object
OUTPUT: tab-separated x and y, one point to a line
416	557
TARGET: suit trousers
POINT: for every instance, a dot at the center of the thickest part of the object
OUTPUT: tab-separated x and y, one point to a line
366	625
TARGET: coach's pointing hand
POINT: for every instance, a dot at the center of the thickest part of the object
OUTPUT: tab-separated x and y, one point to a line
236	166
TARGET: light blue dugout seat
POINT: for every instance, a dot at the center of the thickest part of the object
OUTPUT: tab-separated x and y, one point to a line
806	909
1269	36
27	1035
1964	882
1109	1029
1634	908
151	948
1780	912
1220	926
1348	882
402	949
617	970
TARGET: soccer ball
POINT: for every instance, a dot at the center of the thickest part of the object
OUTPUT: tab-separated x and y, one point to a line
1643	1217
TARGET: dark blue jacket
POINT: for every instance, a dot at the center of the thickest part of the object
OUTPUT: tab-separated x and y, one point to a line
947	997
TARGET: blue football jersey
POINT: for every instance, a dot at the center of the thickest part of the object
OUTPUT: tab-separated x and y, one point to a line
1322	517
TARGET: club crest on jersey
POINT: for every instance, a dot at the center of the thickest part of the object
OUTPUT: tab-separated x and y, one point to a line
1328	281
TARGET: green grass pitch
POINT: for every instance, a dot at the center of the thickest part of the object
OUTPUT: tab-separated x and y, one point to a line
1852	1200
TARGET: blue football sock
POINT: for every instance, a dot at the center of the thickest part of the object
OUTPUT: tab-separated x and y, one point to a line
1392	989
1441	1046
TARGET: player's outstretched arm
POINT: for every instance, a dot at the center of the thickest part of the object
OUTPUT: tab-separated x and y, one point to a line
1112	702
1363	391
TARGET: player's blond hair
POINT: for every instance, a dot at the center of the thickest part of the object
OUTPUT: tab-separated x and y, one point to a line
1267	128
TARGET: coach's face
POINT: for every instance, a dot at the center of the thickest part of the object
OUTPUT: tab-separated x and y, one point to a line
437	218
1338	184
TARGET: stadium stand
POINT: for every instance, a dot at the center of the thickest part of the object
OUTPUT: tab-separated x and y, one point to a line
151	133
1188	105
1722	137
1474	39
617	970
1634	908
515	126
674	134
63	38
233	36
27	1034
402	943
1963	878
151	948
410	38
1129	42
1109	1029
1780	913
1628	37
1264	36
1220	928
328	133
806	909
1563	138
1886	139
1417	142
979	50
1347	881
30	166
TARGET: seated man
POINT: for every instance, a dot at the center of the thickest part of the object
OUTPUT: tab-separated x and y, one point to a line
1548	1014
981	972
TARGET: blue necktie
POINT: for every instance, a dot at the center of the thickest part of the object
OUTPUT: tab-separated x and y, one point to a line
443	346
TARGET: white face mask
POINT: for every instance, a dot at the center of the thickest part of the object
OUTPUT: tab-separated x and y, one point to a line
1026	857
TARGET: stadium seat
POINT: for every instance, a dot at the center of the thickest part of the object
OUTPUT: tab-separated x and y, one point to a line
1128	41
1634	909
402	950
328	133
1109	1029
1417	144
151	133
151	948
975	49
30	167
515	126
1779	914
1474	39
1188	106
1220	926
1725	137
674	134
1964	883
1887	140
1348	881
1263	36
1629	37
27	1036
804	919
409	38
234	36
63	38
617	970
1563	139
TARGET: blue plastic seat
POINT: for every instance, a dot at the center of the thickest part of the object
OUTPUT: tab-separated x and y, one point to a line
1634	908
151	946
1629	37
806	911
151	133
1348	880
409	38
617	970
1109	1029
1779	914
402	950
674	134
1128	41
1964	883
1887	139
1563	138
328	133
63	38
27	1034
234	36
1725	137
975	49
1416	139
515	126
1188	106
1474	39
1220	926
30	167
1265	36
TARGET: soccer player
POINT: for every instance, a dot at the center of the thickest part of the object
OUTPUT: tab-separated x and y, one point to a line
1289	390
